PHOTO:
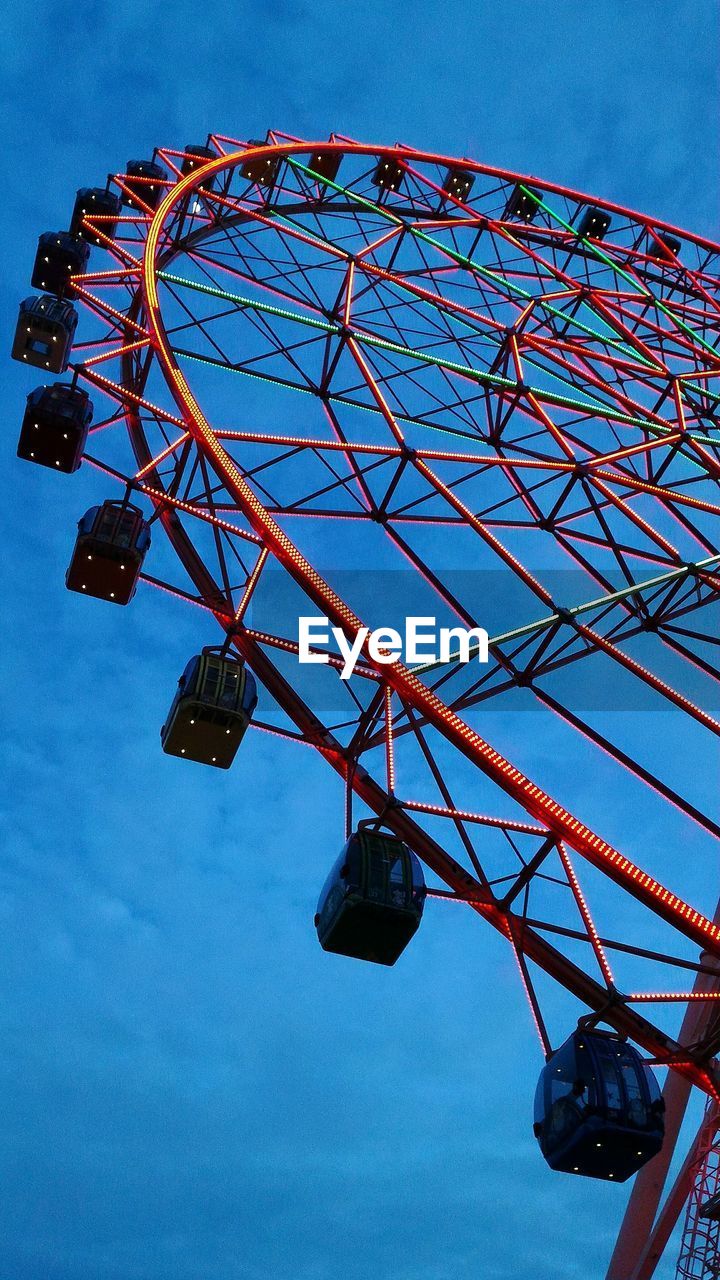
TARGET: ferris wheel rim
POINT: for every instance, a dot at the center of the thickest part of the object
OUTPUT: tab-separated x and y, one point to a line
188	404
181	192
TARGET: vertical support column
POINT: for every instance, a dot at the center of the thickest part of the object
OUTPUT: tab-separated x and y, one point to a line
700	1248
636	1230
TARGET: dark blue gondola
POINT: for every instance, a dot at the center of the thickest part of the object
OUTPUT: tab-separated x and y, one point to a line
521	205
111	545
388	174
59	256
262	170
663	246
326	164
372	901
55	426
95	202
44	333
195	157
594	223
458	183
213	706
144	181
598	1109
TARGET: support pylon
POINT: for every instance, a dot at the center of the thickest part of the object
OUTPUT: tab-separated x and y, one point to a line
639	1245
699	1257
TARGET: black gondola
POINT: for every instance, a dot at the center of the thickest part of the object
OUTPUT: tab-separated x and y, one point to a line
44	332
195	157
388	174
326	164
144	180
213	706
663	246
109	551
521	205
594	223
59	255
261	169
372	901
95	202
458	183
55	426
598	1109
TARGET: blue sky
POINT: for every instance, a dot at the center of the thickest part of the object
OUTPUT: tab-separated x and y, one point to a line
191	1089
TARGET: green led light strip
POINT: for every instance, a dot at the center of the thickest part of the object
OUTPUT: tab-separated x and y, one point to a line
632	280
542	624
323	244
593	408
462	260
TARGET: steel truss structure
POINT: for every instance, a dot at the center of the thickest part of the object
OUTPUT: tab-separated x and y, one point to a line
307	366
700	1249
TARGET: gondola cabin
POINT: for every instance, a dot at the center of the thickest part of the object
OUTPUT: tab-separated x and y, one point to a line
663	246
144	181
325	164
95	202
598	1109
372	901
261	169
195	157
522	204
594	223
59	256
109	551
213	706
44	333
388	174
55	426
458	183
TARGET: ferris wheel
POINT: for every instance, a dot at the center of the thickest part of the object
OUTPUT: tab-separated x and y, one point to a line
357	381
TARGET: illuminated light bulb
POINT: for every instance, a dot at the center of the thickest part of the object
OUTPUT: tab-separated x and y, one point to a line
84	587
598	1144
57	463
32	455
182	751
214	759
192	721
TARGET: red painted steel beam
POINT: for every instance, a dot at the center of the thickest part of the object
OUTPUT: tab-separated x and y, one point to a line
634	1247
